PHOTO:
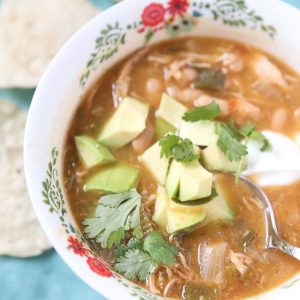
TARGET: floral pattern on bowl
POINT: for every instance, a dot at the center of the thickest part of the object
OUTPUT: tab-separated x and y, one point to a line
173	17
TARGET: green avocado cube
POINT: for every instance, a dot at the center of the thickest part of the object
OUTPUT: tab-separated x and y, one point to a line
92	153
176	217
203	133
158	166
195	182
117	178
127	122
161	207
170	110
173	179
184	222
219	207
215	159
162	128
188	181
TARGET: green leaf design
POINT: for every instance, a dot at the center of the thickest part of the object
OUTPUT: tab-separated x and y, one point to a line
235	13
51	190
106	45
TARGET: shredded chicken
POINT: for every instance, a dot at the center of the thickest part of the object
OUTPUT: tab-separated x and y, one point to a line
163	59
241	261
151	284
193	56
173	71
232	61
268	71
169	286
267	89
122	85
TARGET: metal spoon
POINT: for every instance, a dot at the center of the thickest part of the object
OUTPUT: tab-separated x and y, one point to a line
273	240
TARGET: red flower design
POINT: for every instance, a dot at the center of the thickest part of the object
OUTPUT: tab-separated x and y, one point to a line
77	247
153	14
98	267
178	7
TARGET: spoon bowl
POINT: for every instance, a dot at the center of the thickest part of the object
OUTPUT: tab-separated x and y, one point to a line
273	239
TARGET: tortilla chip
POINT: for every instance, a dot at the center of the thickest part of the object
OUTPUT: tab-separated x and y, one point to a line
31	33
20	232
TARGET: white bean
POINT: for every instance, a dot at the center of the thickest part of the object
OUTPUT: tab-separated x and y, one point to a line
189	74
143	141
153	86
280	117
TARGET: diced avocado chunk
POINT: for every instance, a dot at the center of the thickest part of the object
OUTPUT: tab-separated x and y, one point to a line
91	152
183	221
162	128
203	133
188	181
117	178
215	159
170	110
161	207
195	182
173	179
158	166
219	207
128	121
176	217
183	207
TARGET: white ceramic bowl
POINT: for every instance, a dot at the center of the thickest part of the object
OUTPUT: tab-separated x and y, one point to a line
268	24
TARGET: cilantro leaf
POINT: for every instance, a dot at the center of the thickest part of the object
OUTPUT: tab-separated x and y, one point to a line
249	131
135	264
229	144
182	150
205	112
132	244
114	215
159	249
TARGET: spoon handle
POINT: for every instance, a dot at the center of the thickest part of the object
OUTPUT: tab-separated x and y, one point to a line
286	248
273	240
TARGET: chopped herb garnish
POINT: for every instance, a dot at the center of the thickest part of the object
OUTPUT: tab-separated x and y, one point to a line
205	112
182	150
249	131
210	78
115	214
138	260
132	244
159	249
229	144
135	264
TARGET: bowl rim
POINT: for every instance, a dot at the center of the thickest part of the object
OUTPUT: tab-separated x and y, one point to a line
30	124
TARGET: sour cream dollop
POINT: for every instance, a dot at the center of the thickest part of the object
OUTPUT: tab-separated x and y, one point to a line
281	166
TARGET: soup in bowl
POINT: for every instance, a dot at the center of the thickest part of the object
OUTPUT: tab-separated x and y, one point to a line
138	134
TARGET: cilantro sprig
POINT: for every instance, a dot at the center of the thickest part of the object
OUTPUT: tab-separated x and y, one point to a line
230	145
249	132
138	260
115	214
202	113
173	146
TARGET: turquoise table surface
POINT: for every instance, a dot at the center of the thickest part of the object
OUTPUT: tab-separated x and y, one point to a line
45	277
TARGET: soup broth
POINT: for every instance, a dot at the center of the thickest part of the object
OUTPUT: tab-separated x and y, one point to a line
218	257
